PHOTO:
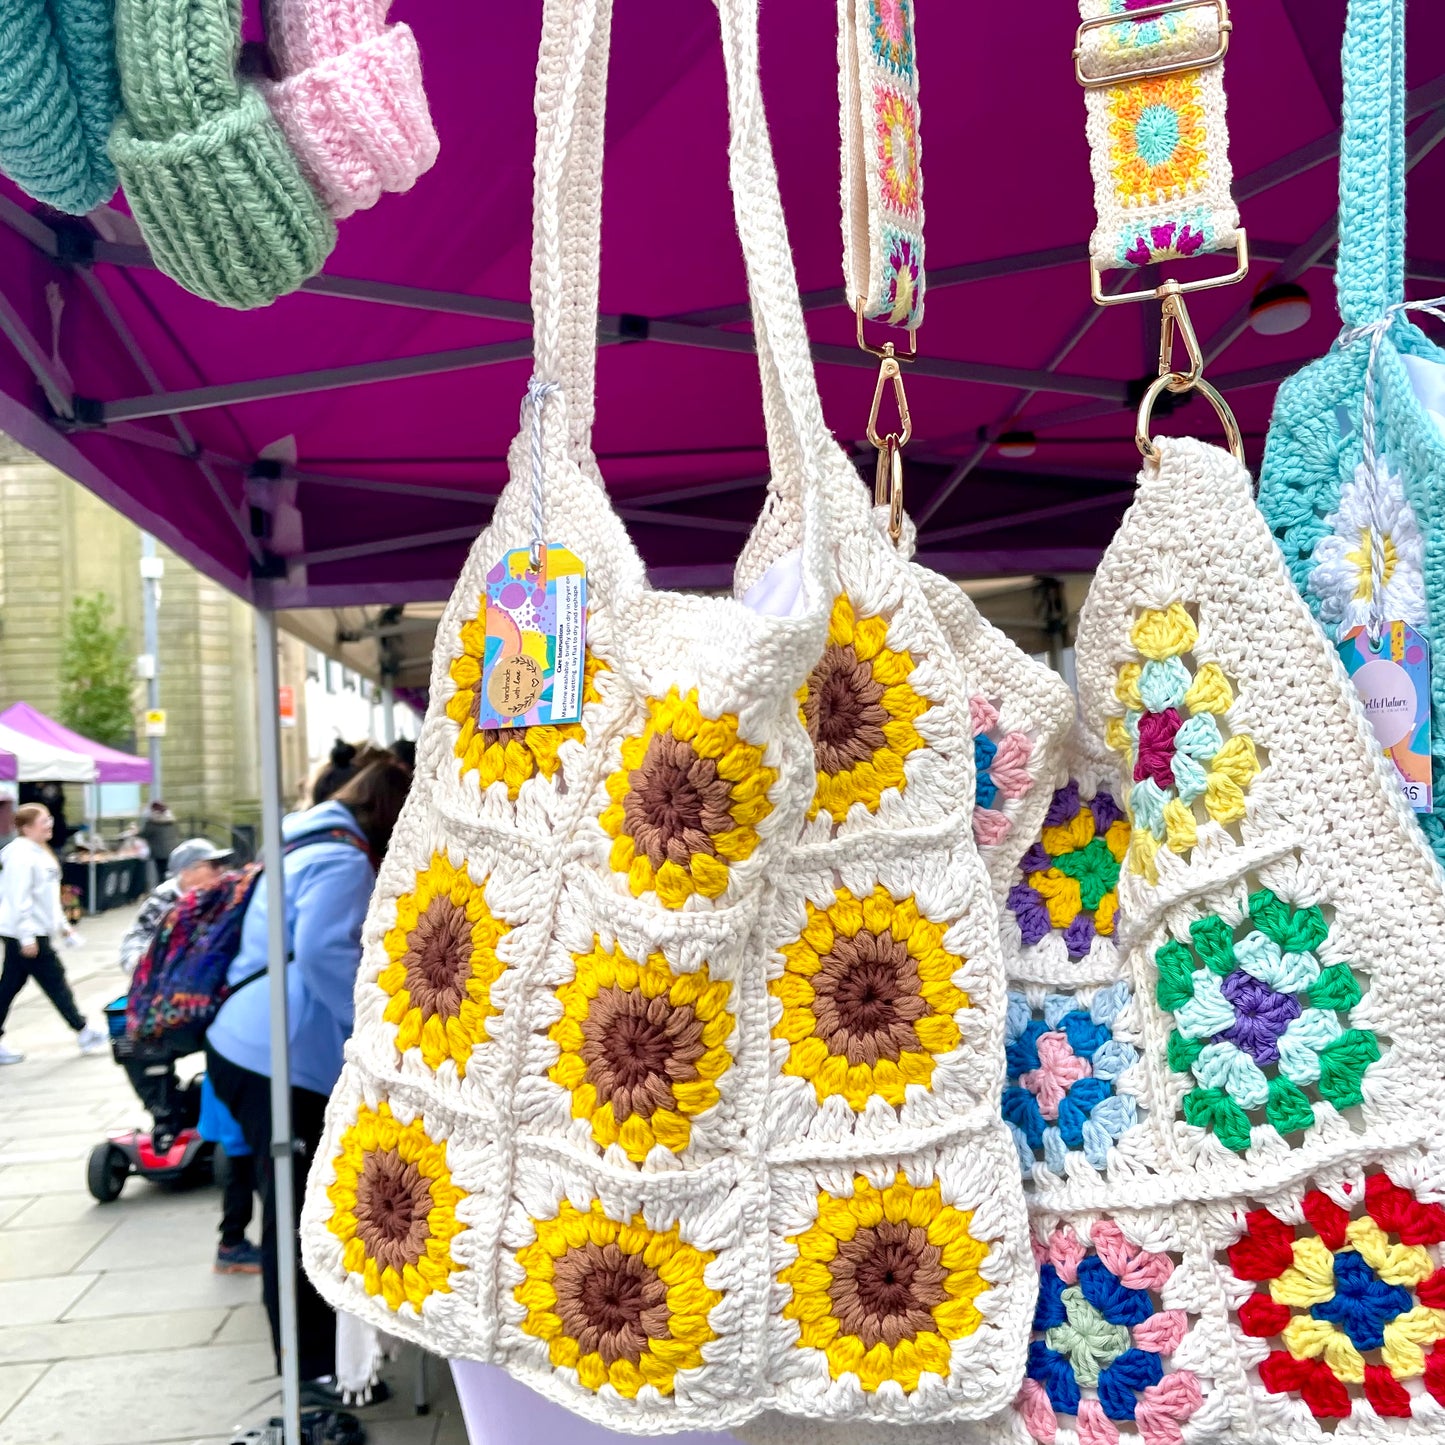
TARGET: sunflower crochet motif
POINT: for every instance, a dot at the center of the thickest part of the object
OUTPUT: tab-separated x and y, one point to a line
620	1303
506	755
867	999
860	709
884	1281
443	963
686	802
641	1049
394	1208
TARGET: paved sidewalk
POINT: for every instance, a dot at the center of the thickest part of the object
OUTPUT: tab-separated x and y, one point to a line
113	1328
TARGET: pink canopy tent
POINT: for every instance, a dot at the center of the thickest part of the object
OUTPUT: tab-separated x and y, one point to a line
371	413
111	765
9	767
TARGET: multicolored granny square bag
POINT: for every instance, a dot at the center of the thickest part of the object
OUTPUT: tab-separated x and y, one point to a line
1365	543
679	1045
1223	1068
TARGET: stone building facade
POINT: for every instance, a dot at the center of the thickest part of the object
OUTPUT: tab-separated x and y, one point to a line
58	541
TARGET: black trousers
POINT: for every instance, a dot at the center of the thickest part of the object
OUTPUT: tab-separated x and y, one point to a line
236	1197
248	1097
48	971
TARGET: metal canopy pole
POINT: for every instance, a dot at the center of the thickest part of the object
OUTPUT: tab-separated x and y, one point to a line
388	710
268	706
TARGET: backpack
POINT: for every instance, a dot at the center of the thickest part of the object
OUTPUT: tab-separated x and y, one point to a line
180	982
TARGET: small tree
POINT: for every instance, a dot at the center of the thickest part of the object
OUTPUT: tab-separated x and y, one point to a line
97	673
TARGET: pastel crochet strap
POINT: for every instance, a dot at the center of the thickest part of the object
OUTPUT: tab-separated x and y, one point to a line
1159	144
1354	463
1370	273
882	160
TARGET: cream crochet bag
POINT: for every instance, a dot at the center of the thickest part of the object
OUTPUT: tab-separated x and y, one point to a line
1227	1120
674	1087
1225	1078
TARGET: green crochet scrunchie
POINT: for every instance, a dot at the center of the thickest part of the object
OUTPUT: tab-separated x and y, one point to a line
220	198
59	95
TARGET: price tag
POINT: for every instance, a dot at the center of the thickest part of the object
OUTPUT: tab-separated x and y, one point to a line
536	640
1392	676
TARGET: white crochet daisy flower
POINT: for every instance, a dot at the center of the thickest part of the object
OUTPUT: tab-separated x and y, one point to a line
1342	574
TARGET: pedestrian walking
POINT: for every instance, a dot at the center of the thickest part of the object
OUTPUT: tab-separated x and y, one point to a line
31	921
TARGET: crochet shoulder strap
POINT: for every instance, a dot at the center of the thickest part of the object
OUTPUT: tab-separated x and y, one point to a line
1371	271
571	102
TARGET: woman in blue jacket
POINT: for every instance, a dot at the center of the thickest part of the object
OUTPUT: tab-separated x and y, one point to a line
332	851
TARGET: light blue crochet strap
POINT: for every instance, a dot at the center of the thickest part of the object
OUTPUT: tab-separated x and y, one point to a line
1371	270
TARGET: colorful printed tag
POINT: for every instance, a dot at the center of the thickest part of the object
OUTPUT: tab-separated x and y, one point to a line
1392	677
536	638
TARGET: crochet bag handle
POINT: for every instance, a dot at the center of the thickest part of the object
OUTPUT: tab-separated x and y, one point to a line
571	100
1371	268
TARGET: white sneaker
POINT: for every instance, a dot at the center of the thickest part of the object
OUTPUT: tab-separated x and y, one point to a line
92	1039
9	1056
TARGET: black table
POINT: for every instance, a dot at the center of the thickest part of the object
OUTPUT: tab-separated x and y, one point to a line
118	881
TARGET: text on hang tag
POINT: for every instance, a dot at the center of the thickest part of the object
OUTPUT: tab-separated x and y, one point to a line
536	640
1392	676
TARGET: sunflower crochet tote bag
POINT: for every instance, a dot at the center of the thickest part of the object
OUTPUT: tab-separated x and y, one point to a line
1328	506
582	1132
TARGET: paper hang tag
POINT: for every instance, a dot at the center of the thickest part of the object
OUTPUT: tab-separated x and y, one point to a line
1392	676
536	640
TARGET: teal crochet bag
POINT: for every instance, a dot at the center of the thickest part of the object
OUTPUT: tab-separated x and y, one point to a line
1365	543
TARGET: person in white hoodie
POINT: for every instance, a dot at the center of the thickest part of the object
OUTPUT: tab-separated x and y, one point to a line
31	918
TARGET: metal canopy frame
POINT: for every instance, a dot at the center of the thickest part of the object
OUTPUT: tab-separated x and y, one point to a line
710	329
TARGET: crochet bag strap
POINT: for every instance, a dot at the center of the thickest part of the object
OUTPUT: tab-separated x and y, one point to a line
1371	270
882	173
571	96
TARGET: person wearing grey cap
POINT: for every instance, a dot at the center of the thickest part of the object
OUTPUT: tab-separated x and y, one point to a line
196	863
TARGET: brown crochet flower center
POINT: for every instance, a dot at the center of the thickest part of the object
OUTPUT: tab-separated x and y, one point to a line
393	1201
886	1281
438	959
675	800
637	1048
843	710
867	999
611	1303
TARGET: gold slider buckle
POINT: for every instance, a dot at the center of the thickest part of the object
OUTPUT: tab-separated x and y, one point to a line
1204	283
1169	67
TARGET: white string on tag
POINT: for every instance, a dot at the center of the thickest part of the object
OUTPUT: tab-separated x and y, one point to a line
1377	330
537	393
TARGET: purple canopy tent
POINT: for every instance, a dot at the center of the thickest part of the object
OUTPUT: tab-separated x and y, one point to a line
370	414
9	767
111	765
384	395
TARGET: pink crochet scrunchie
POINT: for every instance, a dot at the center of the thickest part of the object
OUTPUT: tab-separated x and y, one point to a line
350	99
